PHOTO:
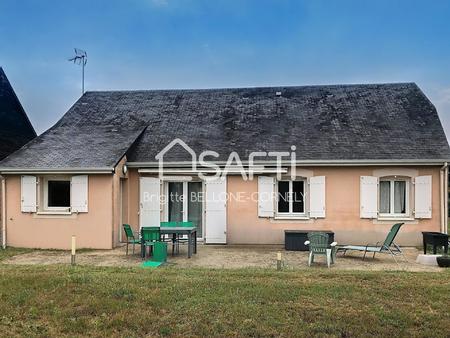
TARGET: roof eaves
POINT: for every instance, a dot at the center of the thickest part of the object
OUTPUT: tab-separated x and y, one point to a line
386	162
87	170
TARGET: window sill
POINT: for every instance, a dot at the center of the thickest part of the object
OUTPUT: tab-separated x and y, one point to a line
393	218
292	217
54	213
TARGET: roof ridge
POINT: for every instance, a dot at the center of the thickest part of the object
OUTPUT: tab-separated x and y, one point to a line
253	88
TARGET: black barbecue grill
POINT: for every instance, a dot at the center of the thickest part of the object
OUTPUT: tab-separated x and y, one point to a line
435	239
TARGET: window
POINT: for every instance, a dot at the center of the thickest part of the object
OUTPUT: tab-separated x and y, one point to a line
185	203
291	197
394	197
56	193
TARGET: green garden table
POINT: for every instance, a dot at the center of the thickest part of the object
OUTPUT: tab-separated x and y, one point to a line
191	232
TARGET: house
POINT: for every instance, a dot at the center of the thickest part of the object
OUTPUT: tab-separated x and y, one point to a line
350	158
15	127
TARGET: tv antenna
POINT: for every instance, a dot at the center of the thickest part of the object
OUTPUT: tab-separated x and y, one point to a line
80	58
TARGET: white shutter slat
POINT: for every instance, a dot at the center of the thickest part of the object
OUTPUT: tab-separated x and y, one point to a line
150	202
422	197
28	194
368	197
79	193
216	211
317	196
265	196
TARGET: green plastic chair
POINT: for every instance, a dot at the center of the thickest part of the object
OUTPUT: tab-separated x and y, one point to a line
168	225
131	237
318	245
173	239
186	224
183	239
149	236
388	245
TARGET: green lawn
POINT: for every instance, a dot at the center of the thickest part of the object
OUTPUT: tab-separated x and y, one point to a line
4	254
80	301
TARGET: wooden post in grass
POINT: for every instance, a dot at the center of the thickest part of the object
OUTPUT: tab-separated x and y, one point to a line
72	258
279	260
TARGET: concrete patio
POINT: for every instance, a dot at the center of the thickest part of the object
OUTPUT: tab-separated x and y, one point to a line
225	257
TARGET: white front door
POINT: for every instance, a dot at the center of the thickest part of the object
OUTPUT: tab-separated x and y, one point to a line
216	211
149	204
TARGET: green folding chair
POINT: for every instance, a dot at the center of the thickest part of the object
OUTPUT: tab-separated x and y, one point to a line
318	245
388	245
149	236
132	238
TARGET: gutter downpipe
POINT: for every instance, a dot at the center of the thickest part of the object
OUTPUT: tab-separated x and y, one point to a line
444	197
3	179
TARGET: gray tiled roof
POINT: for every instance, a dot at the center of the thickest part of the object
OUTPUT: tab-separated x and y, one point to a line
15	128
342	122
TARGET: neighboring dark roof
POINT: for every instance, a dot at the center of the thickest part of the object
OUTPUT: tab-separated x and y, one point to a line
15	128
341	122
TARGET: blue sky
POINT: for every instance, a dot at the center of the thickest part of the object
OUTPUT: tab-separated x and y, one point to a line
149	44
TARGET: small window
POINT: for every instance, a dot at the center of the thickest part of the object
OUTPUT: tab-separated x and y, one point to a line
291	197
394	199
56	191
58	194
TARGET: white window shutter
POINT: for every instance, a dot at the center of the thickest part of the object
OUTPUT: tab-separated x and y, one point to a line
265	196
216	211
422	197
368	197
79	193
317	196
28	194
150	201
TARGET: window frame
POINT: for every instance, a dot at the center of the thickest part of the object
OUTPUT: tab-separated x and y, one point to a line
391	181
185	180
44	192
292	214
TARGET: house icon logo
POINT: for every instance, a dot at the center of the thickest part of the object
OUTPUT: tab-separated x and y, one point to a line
173	143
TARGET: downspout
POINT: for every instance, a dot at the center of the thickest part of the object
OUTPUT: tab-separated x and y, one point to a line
3	179
444	196
112	209
446	200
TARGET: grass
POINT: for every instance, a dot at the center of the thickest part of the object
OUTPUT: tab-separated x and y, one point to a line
4	254
92	301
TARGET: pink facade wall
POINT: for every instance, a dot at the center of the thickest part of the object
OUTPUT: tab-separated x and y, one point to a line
342	212
101	226
92	229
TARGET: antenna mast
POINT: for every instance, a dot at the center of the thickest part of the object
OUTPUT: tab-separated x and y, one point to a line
80	58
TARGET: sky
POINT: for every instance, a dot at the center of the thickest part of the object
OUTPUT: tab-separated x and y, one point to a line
161	44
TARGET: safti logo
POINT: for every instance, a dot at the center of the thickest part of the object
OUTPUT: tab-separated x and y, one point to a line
209	170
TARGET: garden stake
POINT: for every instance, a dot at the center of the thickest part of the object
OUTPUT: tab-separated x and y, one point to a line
72	259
